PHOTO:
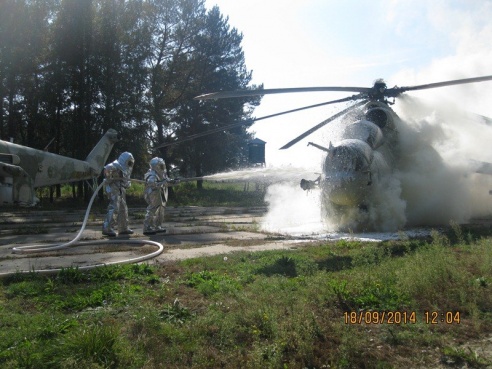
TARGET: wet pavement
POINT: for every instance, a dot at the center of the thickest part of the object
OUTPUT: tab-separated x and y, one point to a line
191	232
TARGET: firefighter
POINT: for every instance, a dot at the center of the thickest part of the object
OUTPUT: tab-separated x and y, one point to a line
155	194
117	177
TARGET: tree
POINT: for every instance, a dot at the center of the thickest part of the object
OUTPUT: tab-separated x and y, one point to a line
218	64
73	46
23	27
172	24
71	69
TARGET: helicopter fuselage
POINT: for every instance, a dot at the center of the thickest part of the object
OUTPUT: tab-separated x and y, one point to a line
364	154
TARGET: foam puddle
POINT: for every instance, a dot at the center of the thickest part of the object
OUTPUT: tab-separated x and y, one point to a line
373	236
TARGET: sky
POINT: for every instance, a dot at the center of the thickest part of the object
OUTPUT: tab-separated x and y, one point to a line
303	43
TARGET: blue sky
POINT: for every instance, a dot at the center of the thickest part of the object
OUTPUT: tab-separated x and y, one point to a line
352	43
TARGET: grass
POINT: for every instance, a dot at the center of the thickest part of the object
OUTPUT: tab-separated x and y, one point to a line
216	194
184	194
271	309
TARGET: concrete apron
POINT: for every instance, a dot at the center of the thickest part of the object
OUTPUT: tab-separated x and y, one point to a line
191	232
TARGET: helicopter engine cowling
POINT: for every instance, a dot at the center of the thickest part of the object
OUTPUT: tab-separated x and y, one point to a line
381	116
366	131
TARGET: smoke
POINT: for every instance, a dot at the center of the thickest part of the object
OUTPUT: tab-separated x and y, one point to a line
387	208
417	43
448	123
437	175
434	181
440	134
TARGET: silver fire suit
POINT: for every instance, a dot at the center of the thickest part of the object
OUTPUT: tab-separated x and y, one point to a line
155	194
117	176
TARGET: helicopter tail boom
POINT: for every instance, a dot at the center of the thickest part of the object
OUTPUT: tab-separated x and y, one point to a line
22	169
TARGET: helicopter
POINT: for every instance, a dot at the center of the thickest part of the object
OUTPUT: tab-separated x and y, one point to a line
358	169
23	169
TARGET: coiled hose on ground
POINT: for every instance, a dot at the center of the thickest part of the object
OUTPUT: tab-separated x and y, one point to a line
30	249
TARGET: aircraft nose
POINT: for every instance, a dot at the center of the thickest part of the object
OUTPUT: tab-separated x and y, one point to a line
347	173
348	188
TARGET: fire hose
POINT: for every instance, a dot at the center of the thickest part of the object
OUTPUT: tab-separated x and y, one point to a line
31	249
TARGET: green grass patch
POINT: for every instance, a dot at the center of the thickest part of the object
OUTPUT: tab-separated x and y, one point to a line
270	309
184	194
215	194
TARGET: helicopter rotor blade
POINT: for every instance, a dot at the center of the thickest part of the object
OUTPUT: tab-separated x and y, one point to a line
323	123
394	92
390	92
198	135
245	93
233	125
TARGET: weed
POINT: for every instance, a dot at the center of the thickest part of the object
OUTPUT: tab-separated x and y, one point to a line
458	232
439	239
209	283
348	244
21	356
371	295
93	343
436	278
25	289
482	282
379	296
369	256
175	313
459	356
71	275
